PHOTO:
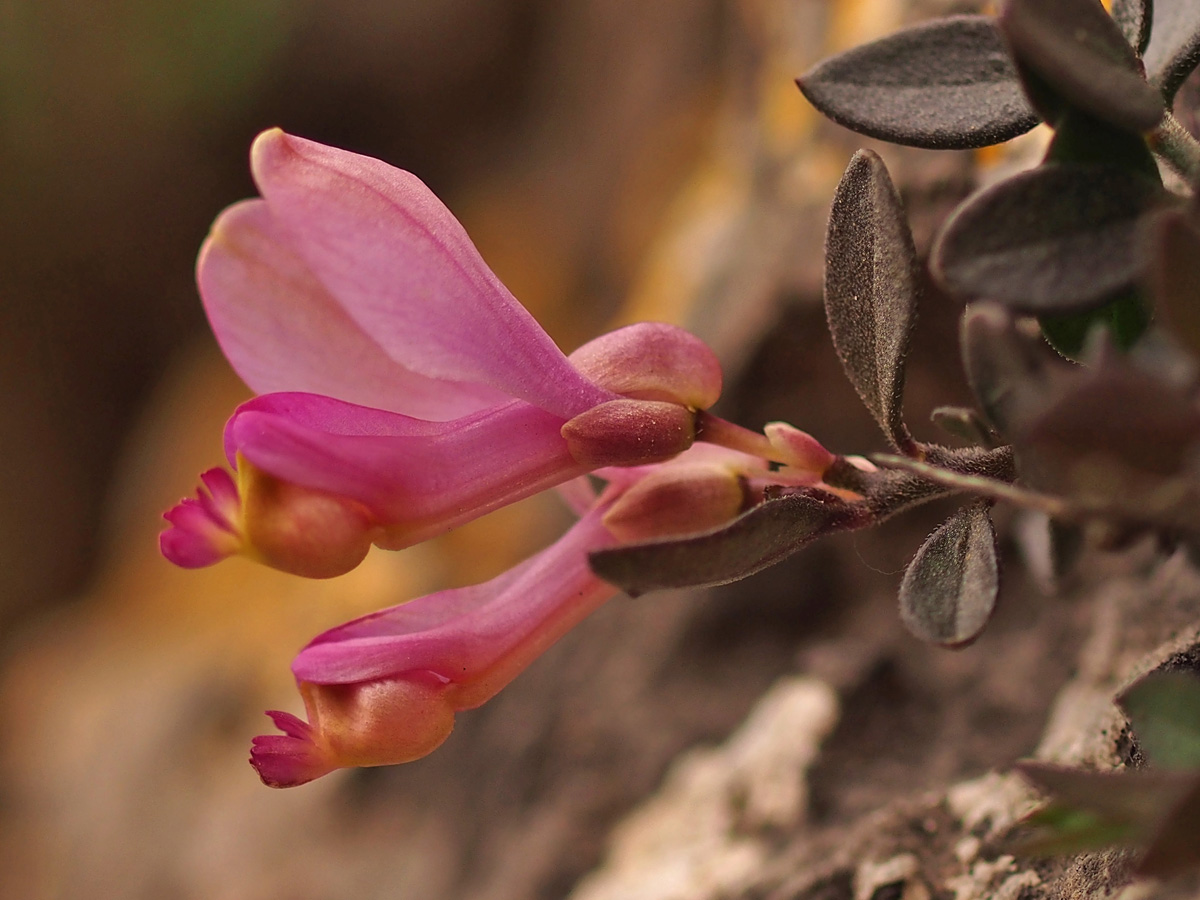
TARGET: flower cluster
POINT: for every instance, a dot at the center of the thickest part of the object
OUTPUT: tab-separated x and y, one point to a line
403	391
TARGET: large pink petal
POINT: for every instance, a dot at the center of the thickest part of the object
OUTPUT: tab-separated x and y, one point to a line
404	269
421	477
282	331
459	634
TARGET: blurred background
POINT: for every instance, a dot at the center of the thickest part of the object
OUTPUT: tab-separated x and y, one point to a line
613	160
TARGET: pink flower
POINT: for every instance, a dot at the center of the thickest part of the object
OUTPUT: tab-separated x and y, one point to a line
403	390
385	688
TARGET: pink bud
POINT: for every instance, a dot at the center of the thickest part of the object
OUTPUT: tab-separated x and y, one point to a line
798	449
677	499
653	361
629	433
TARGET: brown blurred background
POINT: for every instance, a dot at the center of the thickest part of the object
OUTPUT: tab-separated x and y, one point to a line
613	159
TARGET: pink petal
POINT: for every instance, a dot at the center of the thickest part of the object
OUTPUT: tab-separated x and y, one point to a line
289	759
422	478
404	270
203	529
461	634
282	331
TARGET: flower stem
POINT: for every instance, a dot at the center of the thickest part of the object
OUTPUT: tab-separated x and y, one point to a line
715	430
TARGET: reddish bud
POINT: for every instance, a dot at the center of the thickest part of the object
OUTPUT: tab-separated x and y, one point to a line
629	433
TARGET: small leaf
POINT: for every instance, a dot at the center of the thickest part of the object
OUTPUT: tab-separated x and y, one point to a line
965	424
1174	848
1133	18
1091	810
1078	51
1054	239
1136	463
870	289
760	537
1164	710
949	591
1174	48
943	85
1009	372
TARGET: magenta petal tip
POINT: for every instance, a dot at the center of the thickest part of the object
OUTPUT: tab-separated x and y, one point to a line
289	759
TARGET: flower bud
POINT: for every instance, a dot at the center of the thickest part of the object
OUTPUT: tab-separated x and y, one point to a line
677	500
629	433
798	449
653	361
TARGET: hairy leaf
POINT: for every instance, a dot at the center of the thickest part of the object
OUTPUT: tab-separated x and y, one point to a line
965	424
1116	437
1010	372
870	289
1164	710
1078	51
1051	240
943	85
1133	18
760	537
1174	48
949	591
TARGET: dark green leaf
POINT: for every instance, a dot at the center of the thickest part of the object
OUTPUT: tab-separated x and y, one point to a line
870	289
1164	710
1126	318
761	537
1174	48
1133	18
1051	240
943	85
1078	51
949	591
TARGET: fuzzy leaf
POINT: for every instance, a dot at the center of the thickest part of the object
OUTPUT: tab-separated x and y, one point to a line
965	424
943	85
760	537
1164	710
871	289
1054	239
949	591
1174	48
1133	18
1009	372
1138	462
1079	53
